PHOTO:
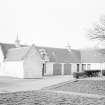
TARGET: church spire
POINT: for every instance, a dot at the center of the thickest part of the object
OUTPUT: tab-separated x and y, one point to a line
17	41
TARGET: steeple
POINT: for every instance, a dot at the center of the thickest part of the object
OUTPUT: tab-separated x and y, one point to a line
17	41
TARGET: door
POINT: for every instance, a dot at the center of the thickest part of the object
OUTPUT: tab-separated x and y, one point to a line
67	69
43	69
57	69
77	67
88	66
83	67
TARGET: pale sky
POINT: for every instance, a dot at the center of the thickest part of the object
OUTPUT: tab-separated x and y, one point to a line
49	22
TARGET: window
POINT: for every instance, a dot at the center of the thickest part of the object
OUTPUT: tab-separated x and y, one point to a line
88	66
77	67
83	67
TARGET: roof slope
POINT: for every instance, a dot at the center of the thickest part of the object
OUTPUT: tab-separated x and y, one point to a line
61	55
58	55
6	46
93	56
16	54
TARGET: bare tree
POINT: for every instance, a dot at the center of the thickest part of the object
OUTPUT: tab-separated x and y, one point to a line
98	31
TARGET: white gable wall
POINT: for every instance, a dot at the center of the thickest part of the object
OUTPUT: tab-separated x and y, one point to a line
13	69
1	55
1	58
32	64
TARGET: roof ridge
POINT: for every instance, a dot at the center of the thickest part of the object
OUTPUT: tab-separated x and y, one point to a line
30	47
56	48
49	47
18	48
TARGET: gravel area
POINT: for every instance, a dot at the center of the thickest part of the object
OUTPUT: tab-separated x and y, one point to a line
82	86
46	98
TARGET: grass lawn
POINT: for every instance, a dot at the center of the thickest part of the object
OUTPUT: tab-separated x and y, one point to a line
46	98
42	97
83	86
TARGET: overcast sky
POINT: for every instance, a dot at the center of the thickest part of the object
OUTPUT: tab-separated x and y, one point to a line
49	22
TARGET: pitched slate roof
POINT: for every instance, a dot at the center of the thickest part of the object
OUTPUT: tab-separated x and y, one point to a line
16	54
92	56
62	55
6	46
58	55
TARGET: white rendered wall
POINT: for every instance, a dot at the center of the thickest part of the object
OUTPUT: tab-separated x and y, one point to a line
49	68
1	58
32	65
95	66
32	69
73	67
62	68
1	55
13	69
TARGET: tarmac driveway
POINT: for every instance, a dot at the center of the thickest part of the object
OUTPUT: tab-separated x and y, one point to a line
9	84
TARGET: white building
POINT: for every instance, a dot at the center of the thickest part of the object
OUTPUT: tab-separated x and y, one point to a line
22	62
35	62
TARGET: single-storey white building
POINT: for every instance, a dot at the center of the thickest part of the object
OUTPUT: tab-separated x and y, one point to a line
22	62
35	61
93	59
62	61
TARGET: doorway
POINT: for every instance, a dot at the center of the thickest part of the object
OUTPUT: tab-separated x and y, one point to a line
77	67
43	69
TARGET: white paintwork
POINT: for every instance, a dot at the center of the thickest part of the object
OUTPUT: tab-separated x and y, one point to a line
49	68
62	68
13	69
1	55
95	66
1	58
73	67
80	67
32	65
